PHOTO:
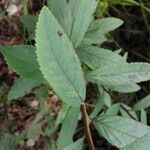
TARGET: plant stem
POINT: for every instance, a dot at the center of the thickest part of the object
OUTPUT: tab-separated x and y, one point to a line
87	127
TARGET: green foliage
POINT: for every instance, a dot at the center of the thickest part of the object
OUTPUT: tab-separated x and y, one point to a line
75	146
62	12
142	104
113	75
61	75
68	127
68	55
20	88
29	22
85	10
120	131
141	143
96	57
22	59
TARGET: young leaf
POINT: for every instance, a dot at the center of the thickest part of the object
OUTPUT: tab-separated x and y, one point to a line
62	113
142	104
140	144
22	59
98	28
68	127
113	75
143	116
113	109
128	112
79	27
103	26
120	131
96	57
61	10
20	88
126	88
98	106
59	63
78	145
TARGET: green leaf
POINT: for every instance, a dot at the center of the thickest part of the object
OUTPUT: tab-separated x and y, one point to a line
143	116
142	104
129	114
22	59
7	142
79	27
96	57
107	99
102	26
61	11
20	88
68	127
59	63
78	145
29	22
105	25
74	5
126	88
89	40
114	75
140	144
98	106
120	131
113	109
62	113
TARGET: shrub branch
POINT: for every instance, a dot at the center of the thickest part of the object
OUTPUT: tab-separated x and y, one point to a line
87	126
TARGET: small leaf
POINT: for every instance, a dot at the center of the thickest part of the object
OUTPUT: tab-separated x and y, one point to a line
130	111
113	109
96	57
62	113
22	59
140	144
114	75
98	106
143	117
68	127
58	60
142	104
103	26
20	88
107	99
98	28
78	145
120	131
79	27
126	88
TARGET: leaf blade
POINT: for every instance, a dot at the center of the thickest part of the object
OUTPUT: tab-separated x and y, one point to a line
85	10
120	131
23	56
63	72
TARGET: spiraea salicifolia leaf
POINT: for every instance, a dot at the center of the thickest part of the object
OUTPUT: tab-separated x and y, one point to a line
58	60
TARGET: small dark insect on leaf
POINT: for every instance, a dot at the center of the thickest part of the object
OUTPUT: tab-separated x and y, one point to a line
60	33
